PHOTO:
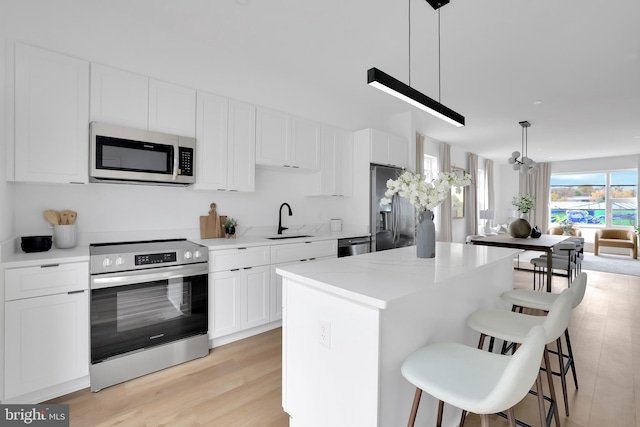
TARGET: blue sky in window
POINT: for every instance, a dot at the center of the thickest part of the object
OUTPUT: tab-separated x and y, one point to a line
617	178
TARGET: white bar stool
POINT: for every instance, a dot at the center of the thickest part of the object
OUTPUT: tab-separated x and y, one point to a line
474	380
524	298
513	327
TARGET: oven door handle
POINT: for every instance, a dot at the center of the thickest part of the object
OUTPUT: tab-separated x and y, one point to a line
142	276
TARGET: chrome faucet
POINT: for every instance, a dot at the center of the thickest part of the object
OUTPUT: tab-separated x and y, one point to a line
280	227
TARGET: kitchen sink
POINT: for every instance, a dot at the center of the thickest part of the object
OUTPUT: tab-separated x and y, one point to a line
288	237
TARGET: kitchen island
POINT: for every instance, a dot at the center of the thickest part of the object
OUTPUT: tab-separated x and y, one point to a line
349	323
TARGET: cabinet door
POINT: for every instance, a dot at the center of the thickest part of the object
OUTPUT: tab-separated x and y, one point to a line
119	97
46	342
172	108
211	142
344	162
51	117
241	146
273	138
336	169
398	151
379	147
255	296
389	149
305	144
224	303
275	297
328	164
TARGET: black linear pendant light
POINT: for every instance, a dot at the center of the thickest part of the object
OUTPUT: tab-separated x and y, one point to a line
395	87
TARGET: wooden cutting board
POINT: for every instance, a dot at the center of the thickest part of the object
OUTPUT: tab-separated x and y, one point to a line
211	225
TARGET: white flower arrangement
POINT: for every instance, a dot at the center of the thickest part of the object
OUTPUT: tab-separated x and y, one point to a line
524	203
422	194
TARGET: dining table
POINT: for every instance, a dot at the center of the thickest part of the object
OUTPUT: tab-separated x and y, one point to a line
544	243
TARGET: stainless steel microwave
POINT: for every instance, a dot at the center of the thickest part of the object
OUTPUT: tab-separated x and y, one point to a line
136	156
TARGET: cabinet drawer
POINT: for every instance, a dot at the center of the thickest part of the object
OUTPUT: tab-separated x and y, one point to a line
45	280
229	259
299	251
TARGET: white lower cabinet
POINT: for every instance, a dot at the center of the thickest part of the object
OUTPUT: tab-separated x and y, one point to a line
238	300
238	289
46	327
255	296
244	290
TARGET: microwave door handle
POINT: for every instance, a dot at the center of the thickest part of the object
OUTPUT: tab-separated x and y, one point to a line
175	152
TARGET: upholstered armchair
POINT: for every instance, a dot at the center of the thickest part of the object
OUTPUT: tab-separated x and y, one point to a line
617	238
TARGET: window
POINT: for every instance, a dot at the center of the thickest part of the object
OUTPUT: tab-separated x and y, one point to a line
430	167
602	198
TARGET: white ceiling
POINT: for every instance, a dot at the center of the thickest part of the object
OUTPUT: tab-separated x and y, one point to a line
579	58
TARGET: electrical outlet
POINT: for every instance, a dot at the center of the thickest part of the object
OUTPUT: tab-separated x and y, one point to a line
324	333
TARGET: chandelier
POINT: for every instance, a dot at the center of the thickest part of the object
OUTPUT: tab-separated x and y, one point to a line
523	164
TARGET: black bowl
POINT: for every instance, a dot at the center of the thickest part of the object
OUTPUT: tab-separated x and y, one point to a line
36	243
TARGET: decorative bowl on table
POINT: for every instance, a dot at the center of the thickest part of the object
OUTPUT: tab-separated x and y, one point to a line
36	243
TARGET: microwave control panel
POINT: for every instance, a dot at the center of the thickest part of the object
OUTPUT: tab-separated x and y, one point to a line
186	161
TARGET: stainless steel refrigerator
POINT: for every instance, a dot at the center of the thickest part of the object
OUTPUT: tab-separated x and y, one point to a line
393	225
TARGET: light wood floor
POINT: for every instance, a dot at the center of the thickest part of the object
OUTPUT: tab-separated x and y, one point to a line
240	384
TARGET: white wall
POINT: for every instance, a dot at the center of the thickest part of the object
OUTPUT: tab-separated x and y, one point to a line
119	207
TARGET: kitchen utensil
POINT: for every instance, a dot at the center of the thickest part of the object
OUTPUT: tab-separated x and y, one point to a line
51	216
35	243
211	226
72	217
64	217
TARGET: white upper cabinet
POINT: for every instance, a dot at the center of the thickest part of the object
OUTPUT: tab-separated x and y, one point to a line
129	99
51	117
119	97
336	172
273	137
241	146
225	137
387	149
172	108
211	142
287	141
305	144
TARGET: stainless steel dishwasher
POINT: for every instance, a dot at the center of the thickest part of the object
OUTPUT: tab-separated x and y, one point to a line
354	246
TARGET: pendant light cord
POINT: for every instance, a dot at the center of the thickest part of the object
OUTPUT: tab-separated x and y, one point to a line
409	18
439	61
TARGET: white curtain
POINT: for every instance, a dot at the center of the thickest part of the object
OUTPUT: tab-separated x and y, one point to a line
491	195
445	232
419	154
472	195
538	184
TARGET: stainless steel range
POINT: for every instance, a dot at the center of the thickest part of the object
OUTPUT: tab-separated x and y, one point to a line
148	308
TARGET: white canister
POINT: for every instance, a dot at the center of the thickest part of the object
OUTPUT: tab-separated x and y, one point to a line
335	225
65	236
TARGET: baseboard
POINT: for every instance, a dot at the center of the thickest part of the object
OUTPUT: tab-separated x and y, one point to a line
227	339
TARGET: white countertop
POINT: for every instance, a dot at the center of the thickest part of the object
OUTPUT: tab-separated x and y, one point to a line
13	257
382	278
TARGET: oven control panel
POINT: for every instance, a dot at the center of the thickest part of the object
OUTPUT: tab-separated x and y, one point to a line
155	258
108	258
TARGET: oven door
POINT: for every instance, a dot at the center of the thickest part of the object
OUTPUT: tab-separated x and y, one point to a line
145	308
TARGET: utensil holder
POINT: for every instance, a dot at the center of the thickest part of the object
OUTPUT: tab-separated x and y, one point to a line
65	236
